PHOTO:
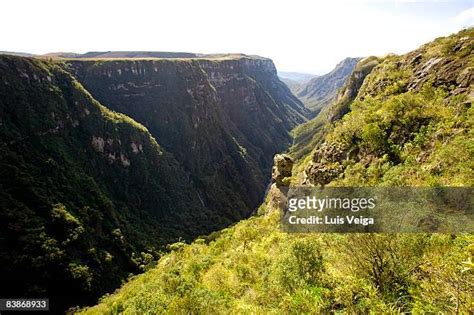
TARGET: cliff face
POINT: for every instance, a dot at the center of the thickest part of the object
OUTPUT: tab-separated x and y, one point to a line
395	134
90	195
222	119
321	91
84	190
351	88
258	104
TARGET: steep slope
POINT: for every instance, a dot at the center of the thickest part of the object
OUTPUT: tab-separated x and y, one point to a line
223	119
88	196
411	109
294	86
411	124
321	91
309	134
84	190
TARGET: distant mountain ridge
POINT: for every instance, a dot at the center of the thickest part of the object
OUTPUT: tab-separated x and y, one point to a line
145	55
308	135
297	76
17	53
132	55
321	91
295	80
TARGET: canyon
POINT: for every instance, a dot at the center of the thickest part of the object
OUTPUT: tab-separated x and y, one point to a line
105	162
114	164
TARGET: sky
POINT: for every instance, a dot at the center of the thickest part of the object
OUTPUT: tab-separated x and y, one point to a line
302	36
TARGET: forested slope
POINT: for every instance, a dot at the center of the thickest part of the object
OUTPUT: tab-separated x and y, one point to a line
410	124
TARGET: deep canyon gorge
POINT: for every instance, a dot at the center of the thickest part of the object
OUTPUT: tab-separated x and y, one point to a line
117	164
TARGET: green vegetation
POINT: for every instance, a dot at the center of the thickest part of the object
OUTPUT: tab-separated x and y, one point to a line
391	138
87	194
308	136
409	123
223	119
253	268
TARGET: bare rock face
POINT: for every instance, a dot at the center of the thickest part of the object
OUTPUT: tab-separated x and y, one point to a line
282	167
465	78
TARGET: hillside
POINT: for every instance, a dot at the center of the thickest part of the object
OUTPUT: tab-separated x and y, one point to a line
223	120
83	189
408	122
412	109
294	86
90	195
309	134
321	91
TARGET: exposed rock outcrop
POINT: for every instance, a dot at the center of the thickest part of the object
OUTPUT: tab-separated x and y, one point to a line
282	168
281	174
446	65
326	164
